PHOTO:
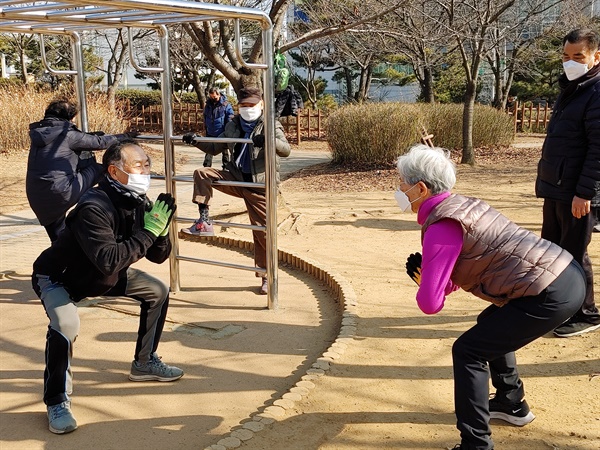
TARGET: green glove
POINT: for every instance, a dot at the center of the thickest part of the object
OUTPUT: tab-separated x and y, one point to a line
159	216
413	267
166	230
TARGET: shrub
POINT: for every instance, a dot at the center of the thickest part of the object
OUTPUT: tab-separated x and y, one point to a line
21	106
377	133
491	127
372	133
10	83
139	98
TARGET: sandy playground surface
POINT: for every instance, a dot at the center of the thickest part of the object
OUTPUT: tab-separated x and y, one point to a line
392	388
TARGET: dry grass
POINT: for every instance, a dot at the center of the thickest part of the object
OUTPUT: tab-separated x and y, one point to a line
375	134
22	106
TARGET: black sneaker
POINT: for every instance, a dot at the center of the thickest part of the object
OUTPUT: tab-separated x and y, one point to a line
517	414
573	327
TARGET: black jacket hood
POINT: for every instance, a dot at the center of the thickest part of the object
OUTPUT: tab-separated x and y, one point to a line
47	130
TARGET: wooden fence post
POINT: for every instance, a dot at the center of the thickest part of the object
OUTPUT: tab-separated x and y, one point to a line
318	124
298	129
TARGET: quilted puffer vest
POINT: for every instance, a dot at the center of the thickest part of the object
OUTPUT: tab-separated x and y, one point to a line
499	260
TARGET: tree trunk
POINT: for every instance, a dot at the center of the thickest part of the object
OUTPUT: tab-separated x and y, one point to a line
427	86
349	86
23	67
468	156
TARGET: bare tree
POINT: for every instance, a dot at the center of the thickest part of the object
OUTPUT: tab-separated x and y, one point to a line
114	46
417	35
469	22
215	40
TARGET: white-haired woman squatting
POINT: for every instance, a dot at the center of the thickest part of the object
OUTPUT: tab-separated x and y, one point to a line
533	285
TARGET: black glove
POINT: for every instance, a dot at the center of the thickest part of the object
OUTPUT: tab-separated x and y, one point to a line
132	134
258	140
97	133
413	267
188	138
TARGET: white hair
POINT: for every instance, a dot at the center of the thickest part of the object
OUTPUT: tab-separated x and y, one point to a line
432	166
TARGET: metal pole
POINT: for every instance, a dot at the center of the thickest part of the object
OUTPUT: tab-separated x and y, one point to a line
79	81
169	148
270	167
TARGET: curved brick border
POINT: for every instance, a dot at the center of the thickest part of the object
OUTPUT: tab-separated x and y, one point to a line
344	294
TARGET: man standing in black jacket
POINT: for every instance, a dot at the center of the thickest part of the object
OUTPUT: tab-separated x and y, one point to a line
113	226
61	165
569	171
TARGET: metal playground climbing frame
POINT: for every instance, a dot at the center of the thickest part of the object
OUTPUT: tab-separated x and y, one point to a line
72	18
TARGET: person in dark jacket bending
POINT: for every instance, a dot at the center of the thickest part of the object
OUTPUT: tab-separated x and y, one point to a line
532	284
113	226
61	165
568	176
217	113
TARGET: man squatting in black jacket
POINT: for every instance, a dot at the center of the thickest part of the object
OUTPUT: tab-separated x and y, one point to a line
113	226
568	176
61	165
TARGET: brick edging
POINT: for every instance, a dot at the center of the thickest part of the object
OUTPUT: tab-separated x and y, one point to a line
344	294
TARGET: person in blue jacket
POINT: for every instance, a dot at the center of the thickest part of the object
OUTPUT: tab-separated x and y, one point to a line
61	165
217	113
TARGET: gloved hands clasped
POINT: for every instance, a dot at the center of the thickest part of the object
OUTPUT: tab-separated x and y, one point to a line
413	267
258	140
188	138
157	220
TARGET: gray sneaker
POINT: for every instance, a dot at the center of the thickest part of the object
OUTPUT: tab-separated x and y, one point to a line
154	370
60	418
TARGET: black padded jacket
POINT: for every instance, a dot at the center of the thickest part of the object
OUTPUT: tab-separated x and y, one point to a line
104	235
570	162
59	152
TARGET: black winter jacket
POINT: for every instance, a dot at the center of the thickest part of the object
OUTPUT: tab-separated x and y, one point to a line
59	153
288	102
104	235
570	163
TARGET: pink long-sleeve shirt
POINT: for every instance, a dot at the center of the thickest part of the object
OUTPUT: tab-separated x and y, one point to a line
442	244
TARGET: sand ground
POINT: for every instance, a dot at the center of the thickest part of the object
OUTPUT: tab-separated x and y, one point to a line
392	388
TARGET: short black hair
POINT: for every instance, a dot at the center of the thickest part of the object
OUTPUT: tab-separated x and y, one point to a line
587	35
62	108
112	155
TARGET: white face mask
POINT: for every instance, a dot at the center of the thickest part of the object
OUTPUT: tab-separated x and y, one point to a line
251	113
137	182
403	201
574	70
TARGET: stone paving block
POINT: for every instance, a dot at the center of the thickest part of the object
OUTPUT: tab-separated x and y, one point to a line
242	434
254	426
292	396
230	442
275	411
285	403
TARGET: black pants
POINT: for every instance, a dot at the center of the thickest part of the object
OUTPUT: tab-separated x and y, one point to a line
499	332
153	297
574	235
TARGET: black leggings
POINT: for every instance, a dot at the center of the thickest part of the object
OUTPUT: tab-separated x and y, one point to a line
492	342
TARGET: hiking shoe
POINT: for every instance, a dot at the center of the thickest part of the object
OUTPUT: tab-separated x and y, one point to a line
264	287
60	418
154	370
517	414
575	327
200	228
